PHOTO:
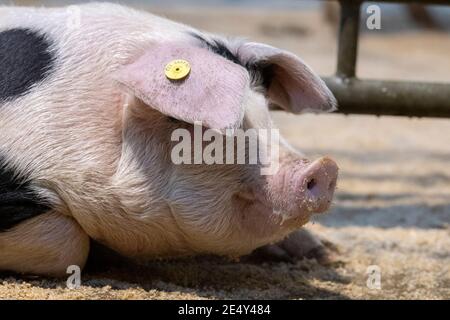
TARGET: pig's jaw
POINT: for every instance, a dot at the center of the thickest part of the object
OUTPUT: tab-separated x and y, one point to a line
263	221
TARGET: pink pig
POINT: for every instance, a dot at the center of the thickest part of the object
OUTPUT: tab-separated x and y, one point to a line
86	119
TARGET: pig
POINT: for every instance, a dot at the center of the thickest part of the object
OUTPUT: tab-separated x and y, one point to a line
86	121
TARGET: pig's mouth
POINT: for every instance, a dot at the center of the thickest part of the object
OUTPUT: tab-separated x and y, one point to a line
260	212
263	219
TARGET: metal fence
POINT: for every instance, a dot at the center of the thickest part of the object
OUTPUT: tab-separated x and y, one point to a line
380	97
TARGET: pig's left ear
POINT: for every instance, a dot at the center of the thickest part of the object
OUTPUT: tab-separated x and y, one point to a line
188	83
291	84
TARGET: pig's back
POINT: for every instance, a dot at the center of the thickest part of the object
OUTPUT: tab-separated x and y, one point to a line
62	122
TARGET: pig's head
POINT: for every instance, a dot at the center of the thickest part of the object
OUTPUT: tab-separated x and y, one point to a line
227	208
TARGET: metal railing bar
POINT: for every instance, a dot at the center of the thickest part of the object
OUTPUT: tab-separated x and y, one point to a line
399	98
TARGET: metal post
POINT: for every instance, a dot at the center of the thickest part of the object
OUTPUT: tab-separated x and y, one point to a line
348	39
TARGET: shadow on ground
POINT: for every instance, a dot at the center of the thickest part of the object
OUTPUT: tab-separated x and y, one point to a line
206	277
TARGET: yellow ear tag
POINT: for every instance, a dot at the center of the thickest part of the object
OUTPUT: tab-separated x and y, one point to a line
177	69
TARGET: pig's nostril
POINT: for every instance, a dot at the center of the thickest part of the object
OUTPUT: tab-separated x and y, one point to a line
311	184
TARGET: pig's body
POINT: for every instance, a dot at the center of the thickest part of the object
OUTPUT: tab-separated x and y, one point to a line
93	161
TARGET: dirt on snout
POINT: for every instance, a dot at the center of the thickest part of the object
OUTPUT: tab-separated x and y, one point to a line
392	208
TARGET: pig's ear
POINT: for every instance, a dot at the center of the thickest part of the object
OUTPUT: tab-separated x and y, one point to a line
212	92
291	84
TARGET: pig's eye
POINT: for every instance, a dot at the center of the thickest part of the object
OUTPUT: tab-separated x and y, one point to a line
174	121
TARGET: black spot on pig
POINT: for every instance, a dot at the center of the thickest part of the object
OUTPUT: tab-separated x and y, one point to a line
261	73
218	47
18	201
25	60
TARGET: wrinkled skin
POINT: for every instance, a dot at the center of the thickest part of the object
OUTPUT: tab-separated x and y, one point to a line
97	147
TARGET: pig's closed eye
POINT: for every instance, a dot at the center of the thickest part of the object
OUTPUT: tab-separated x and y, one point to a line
172	120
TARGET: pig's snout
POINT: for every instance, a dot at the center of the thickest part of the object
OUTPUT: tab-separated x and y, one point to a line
301	188
316	185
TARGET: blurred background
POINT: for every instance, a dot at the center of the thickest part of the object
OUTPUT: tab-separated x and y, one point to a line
413	42
392	207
